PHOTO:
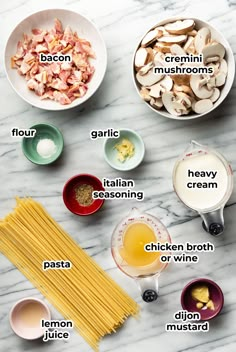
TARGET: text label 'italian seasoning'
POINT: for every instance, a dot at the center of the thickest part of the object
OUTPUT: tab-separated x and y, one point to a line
123	190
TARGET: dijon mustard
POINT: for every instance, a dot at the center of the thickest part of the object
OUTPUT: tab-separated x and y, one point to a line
200	293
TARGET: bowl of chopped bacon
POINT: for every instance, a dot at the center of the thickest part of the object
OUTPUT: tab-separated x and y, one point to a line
55	59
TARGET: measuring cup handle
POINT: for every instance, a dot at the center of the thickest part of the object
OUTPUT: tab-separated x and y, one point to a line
148	287
213	222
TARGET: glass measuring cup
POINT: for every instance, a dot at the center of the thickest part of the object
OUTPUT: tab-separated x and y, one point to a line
211	213
145	268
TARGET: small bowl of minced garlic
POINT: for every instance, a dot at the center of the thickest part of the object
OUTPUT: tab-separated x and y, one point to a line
126	152
203	296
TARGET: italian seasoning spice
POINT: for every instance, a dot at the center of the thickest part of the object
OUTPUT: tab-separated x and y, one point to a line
84	194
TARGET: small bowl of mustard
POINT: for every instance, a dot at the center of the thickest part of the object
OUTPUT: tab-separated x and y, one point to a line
78	194
203	296
126	152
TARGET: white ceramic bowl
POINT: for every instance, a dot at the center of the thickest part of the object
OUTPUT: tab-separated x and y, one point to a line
229	57
110	153
19	327
45	19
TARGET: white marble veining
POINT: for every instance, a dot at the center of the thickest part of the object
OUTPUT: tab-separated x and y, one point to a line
117	104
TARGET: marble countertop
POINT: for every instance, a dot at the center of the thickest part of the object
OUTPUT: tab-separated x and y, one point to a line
117	104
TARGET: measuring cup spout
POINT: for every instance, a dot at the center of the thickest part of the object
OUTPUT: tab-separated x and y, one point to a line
213	222
192	146
134	212
148	287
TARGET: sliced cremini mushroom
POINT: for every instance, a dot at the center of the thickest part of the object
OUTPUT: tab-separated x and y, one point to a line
162	47
180	27
163	30
159	57
189	45
144	92
213	50
150	54
172	39
198	85
178	106
155	90
168	98
223	67
202	38
162	86
176	49
185	99
215	66
202	106
181	79
156	103
151	36
193	33
215	96
141	57
144	70
220	79
166	83
212	59
211	83
184	89
149	78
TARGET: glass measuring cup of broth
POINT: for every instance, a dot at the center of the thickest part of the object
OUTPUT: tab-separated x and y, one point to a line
203	181
128	241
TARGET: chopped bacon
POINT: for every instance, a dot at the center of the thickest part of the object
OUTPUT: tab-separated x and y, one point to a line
58	26
68	36
62	98
48	95
64	75
36	31
58	84
20	50
59	81
24	68
40	48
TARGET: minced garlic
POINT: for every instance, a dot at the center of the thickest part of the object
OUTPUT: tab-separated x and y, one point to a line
125	150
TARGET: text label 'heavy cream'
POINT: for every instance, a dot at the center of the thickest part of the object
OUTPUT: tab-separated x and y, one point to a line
201	180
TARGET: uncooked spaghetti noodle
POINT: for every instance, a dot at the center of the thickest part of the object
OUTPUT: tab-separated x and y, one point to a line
84	294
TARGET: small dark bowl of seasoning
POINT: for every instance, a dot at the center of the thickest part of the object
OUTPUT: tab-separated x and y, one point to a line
78	194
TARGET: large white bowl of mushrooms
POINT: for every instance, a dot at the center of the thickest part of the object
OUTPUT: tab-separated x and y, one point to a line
183	96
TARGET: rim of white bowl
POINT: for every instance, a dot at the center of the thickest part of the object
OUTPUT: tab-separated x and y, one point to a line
49	317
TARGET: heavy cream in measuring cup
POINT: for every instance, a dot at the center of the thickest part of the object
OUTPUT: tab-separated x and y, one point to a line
201	180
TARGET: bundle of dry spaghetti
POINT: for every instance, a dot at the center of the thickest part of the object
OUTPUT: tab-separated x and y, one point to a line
84	294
